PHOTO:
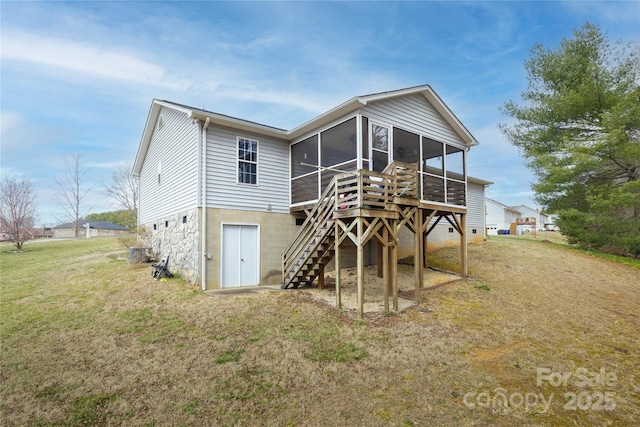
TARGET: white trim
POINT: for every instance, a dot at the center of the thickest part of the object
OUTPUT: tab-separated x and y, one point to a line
359	141
310	202
389	141
448	205
203	202
327	126
258	247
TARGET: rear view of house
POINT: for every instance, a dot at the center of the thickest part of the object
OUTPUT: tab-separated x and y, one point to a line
238	203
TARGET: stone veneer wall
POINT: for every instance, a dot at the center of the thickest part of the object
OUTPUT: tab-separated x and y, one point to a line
178	236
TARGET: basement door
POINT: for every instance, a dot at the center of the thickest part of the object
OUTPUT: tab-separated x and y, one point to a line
240	255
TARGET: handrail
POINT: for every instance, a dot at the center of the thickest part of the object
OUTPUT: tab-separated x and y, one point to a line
318	216
405	179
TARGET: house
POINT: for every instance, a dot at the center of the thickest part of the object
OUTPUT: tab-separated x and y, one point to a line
39	232
96	229
234	202
499	216
531	215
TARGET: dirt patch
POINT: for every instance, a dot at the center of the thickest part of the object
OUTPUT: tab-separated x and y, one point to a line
374	288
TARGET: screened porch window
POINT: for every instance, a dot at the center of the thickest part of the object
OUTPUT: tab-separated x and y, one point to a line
455	163
406	146
247	161
304	157
379	147
304	170
433	186
455	170
338	150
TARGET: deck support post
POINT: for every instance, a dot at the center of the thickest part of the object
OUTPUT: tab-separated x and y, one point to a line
338	266
463	244
394	275
380	250
384	262
321	277
360	266
417	257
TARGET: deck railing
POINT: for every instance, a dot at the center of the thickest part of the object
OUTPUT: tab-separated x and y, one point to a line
373	189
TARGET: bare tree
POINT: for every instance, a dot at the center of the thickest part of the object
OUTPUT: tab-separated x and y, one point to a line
71	190
17	209
123	189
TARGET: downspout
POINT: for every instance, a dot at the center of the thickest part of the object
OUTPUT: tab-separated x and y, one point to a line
203	212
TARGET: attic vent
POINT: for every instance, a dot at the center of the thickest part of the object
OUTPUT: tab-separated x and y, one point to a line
160	121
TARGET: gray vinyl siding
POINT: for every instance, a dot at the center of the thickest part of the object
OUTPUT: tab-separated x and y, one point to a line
415	114
175	148
223	190
475	205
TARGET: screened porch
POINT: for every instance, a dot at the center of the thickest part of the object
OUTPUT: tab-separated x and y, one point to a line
364	143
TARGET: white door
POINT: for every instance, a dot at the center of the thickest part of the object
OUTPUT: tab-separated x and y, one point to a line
240	255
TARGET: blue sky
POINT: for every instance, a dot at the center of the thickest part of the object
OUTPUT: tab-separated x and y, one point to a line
79	77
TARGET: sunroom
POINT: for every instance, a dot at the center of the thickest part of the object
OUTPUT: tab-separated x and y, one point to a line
363	143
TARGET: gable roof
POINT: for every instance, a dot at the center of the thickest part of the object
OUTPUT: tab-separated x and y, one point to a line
509	208
102	225
359	101
347	107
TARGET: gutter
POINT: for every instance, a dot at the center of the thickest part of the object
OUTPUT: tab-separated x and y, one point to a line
203	203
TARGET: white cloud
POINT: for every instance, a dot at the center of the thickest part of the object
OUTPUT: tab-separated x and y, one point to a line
89	59
9	120
614	12
103	165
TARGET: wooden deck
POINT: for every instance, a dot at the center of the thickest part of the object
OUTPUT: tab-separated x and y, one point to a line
365	205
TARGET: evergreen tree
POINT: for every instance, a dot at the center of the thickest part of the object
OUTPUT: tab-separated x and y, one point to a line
579	130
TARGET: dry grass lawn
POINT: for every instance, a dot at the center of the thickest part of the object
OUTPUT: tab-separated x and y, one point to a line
87	339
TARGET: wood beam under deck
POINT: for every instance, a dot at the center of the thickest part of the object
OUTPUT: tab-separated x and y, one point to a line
362	225
364	207
378	225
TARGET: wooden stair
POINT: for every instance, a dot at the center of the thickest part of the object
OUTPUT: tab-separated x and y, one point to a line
312	247
348	195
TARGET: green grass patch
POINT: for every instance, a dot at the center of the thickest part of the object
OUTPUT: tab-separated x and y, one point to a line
324	344
632	262
90	410
229	356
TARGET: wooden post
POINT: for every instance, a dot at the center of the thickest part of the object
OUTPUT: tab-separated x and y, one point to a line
385	267
360	267
424	251
417	256
321	277
463	244
337	261
379	259
394	275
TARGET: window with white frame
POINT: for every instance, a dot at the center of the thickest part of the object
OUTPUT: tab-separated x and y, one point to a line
247	161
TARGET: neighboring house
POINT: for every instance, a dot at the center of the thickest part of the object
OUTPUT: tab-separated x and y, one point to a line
530	215
499	216
40	233
550	224
96	229
234	203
